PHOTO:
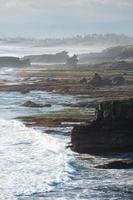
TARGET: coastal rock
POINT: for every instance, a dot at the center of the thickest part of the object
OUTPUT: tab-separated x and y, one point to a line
14	62
60	57
117	164
83	81
118	80
111	131
35	105
97	81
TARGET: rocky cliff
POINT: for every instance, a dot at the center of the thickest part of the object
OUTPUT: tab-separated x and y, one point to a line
113	54
60	57
111	131
14	62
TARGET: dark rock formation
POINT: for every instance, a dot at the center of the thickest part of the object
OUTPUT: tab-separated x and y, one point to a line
111	131
13	62
60	57
117	164
97	81
118	80
83	81
35	105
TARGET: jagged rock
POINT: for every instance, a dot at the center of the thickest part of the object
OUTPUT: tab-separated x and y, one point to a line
111	131
117	164
35	105
83	81
97	81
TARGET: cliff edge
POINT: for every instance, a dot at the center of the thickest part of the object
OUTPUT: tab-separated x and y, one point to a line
111	131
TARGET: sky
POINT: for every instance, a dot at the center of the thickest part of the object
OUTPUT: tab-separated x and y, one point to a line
64	18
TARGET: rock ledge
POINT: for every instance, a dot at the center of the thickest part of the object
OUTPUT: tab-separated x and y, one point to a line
111	131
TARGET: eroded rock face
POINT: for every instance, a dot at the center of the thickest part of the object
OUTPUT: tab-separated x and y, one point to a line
112	131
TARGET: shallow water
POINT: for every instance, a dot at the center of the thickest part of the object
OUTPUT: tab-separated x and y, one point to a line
35	165
11	103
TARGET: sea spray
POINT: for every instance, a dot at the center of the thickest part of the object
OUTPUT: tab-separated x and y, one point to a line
32	161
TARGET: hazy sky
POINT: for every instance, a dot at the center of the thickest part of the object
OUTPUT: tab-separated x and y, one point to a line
55	18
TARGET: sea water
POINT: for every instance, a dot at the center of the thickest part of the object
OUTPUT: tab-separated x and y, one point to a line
35	165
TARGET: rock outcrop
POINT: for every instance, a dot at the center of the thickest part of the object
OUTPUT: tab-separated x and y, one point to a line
117	164
35	105
60	57
14	62
111	131
99	81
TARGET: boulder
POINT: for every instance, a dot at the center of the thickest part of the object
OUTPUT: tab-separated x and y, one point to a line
111	131
98	81
35	105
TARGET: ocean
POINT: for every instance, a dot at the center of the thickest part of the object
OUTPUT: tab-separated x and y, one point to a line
35	165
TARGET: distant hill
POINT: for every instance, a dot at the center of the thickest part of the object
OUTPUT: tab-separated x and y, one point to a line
118	53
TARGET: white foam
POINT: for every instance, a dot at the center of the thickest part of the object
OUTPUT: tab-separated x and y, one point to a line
30	160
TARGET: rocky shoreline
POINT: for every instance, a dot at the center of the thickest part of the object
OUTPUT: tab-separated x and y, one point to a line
100	135
110	132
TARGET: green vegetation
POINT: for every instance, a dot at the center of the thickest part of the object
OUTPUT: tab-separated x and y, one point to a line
66	116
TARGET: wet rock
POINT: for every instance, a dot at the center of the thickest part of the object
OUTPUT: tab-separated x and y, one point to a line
117	164
92	104
25	91
35	105
110	132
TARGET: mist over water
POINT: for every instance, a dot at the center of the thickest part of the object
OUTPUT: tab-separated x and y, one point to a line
24	50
